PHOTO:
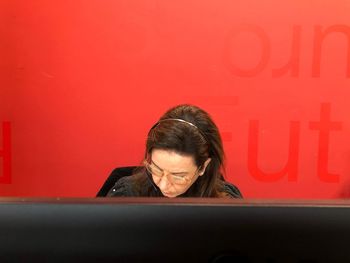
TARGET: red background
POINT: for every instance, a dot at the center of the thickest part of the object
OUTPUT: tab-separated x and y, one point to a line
83	81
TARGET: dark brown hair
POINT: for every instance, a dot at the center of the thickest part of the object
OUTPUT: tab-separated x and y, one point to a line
201	140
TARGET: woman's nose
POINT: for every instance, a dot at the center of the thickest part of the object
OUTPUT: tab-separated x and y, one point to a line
164	182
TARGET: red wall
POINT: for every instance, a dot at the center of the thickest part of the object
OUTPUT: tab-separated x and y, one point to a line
83	81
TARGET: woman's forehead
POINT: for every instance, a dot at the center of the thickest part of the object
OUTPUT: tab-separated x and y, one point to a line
170	160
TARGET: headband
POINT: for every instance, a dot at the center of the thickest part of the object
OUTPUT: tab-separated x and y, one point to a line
183	121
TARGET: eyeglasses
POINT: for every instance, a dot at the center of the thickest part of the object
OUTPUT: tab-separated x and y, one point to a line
176	179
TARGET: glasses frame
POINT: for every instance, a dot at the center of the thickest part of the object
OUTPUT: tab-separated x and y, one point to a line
186	180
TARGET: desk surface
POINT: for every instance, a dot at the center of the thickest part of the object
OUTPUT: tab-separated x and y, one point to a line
181	201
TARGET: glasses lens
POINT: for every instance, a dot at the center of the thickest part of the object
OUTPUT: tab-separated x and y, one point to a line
174	179
179	180
153	170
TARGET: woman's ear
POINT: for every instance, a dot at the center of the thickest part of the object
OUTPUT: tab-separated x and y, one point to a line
204	166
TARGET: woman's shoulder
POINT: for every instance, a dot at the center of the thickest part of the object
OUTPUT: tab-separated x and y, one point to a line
126	186
130	186
231	190
123	187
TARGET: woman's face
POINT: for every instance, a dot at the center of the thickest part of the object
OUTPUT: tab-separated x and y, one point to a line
174	173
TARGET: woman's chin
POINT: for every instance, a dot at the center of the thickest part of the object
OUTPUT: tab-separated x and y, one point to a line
170	195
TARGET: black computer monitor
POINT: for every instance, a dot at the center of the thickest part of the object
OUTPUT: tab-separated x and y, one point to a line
173	230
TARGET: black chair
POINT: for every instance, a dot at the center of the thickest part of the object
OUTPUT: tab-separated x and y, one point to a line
116	174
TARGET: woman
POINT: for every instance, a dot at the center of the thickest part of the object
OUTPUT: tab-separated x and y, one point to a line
184	158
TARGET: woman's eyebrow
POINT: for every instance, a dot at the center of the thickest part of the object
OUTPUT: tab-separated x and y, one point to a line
169	171
156	165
